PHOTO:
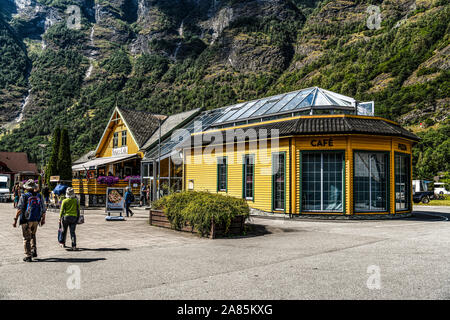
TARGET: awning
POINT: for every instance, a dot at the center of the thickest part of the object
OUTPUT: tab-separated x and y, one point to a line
94	164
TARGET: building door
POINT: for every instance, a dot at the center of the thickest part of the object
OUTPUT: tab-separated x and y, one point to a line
402	182
279	181
322	182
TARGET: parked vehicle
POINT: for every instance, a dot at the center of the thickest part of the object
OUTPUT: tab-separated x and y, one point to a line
5	184
439	188
421	192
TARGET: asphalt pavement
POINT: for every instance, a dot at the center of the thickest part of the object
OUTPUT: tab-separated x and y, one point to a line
277	259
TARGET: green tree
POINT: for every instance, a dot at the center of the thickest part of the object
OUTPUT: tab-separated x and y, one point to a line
64	158
52	167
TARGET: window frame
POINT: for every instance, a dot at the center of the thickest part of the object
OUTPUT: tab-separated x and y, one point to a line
219	163
388	181
124	136
284	183
244	181
344	182
115	139
409	193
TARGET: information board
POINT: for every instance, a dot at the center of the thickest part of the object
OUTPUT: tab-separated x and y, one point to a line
115	201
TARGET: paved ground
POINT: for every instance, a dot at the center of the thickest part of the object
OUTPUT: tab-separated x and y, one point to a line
294	259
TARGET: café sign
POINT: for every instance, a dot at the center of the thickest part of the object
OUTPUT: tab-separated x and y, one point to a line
322	142
119	151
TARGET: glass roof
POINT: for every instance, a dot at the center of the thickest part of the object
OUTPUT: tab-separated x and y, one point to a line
284	103
202	121
271	107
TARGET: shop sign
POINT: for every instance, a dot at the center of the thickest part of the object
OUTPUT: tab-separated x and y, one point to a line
402	147
115	199
322	142
54	178
119	151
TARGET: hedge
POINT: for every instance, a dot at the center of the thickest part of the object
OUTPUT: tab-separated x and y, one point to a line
199	209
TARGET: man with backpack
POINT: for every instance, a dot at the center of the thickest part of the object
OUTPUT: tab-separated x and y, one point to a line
129	198
31	210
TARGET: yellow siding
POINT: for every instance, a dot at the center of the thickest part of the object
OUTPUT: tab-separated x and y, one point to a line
90	186
205	174
106	145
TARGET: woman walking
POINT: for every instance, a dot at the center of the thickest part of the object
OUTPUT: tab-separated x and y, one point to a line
70	212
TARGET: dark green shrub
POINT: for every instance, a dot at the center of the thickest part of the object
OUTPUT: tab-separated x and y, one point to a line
199	209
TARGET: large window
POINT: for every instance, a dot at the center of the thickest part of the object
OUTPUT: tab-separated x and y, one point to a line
248	172
115	140
322	181
222	174
279	181
124	138
402	182
371	181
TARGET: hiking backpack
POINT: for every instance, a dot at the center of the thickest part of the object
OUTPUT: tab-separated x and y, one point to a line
34	208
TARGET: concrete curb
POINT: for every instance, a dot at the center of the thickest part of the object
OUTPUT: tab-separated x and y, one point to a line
332	217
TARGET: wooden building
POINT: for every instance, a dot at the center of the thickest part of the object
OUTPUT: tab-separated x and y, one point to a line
320	157
118	155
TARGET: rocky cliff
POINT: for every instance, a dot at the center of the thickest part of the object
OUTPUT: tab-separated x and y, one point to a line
173	55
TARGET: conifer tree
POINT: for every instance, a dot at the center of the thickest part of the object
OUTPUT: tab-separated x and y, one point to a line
64	158
52	167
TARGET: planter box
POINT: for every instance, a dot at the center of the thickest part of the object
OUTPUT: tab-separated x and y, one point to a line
158	218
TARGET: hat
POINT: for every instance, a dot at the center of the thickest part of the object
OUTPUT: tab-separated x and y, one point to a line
70	193
30	184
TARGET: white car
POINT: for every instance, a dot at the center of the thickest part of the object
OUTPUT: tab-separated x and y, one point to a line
439	188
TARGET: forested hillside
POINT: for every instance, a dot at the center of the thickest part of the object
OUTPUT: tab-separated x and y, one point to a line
174	55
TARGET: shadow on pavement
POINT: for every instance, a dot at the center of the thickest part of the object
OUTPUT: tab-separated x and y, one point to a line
103	249
429	216
70	260
256	230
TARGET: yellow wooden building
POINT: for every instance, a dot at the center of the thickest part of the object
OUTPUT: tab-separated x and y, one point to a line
118	155
322	158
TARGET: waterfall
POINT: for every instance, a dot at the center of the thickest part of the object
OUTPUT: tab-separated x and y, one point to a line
91	54
180	33
19	118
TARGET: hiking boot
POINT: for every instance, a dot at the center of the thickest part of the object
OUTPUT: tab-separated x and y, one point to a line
34	254
27	259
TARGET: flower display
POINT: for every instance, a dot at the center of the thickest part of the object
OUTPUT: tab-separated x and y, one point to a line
108	180
133	179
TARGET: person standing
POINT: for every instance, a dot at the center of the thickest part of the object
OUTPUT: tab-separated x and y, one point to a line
31	210
148	193
143	194
46	194
129	198
16	193
68	216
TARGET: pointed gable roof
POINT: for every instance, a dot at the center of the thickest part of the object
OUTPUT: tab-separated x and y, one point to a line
142	124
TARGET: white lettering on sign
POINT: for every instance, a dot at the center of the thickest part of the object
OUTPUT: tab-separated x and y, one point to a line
119	151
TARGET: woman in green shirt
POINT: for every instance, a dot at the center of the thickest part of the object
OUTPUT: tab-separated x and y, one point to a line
68	216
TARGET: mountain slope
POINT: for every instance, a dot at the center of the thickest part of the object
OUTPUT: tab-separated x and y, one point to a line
169	56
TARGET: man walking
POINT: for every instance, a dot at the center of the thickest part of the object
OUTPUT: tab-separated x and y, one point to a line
129	198
31	210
